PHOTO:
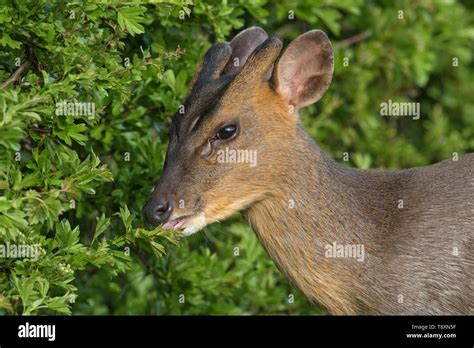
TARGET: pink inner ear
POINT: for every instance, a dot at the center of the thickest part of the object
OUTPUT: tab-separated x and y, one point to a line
301	64
305	69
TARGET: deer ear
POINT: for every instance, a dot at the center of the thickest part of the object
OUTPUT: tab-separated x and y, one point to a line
242	45
305	69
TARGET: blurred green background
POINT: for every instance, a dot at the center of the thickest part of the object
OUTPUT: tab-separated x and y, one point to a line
76	185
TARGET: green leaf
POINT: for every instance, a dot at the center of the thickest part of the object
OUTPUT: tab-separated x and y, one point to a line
169	79
6	40
102	224
65	236
59	304
129	18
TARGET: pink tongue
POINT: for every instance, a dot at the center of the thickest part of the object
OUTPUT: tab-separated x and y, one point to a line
172	225
169	225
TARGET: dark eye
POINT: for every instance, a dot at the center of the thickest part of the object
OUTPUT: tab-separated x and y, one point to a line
226	132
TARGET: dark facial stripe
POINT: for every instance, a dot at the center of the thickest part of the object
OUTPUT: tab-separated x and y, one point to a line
206	91
210	85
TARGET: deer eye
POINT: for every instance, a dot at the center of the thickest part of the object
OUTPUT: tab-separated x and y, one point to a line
226	132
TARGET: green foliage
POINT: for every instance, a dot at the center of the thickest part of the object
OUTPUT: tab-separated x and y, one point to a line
72	184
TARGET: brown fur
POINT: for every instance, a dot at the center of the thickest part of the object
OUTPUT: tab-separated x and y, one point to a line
298	200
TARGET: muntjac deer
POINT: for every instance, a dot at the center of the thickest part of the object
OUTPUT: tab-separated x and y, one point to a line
353	241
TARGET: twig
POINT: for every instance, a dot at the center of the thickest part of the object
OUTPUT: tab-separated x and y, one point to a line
16	76
353	39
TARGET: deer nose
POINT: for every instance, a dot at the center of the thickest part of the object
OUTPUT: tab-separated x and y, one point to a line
158	213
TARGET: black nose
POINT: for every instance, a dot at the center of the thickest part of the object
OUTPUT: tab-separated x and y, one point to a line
158	212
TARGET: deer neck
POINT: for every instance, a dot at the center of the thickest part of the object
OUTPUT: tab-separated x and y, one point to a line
313	206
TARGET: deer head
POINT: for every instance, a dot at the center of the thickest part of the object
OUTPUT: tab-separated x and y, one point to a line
237	127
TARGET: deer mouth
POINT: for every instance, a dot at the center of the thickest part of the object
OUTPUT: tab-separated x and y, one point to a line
187	224
175	224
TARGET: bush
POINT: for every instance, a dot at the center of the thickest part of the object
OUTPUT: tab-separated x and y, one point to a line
73	182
